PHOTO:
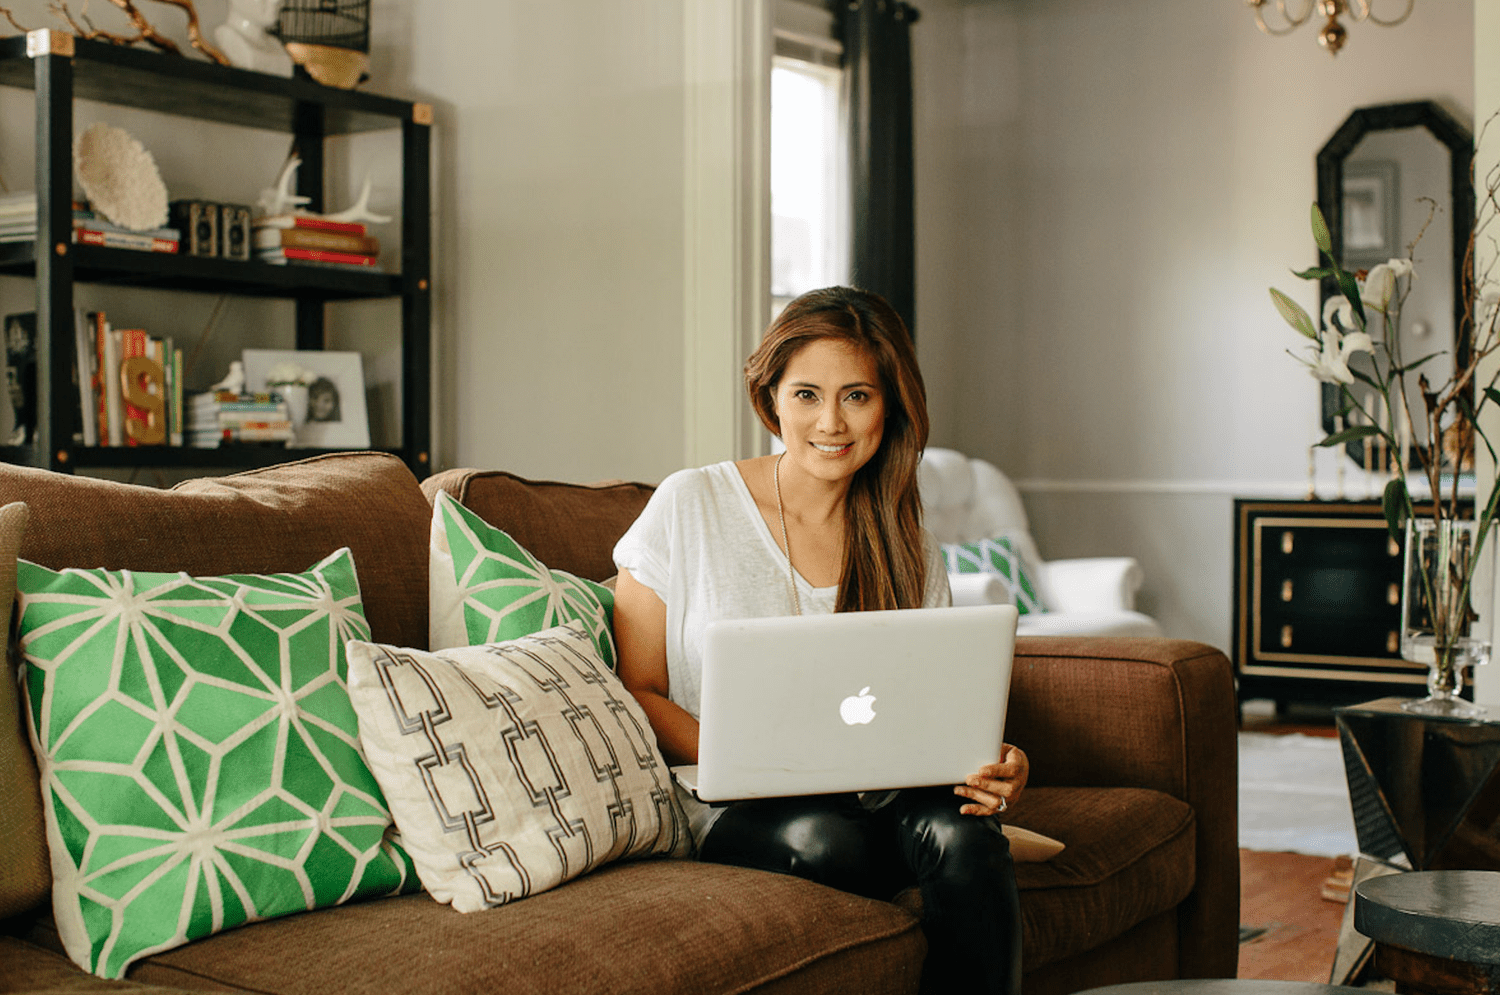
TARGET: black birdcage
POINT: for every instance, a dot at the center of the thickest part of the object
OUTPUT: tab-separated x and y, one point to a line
336	23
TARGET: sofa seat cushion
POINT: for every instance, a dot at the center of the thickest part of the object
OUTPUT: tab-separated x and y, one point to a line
1130	855
37	971
653	927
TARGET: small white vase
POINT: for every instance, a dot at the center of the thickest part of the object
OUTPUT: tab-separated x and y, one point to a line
295	396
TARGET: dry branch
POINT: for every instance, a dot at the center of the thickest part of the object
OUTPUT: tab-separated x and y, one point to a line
144	30
12	19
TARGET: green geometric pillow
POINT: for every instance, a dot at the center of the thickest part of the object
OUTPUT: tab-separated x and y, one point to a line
199	754
484	588
996	556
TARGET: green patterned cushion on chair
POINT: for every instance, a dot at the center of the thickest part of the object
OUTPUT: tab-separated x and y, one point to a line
199	755
996	556
485	588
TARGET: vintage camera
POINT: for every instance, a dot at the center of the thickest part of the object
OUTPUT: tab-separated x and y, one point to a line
198	221
234	231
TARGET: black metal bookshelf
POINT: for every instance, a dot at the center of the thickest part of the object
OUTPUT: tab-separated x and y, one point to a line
60	69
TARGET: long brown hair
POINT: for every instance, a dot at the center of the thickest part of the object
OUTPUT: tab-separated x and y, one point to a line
885	558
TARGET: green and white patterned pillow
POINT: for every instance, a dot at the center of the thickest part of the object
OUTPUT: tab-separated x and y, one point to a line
1000	557
483	587
200	758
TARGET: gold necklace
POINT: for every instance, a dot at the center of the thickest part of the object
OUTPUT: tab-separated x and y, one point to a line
791	575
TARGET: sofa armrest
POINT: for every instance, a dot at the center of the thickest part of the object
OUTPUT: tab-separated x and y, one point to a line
1100	583
1148	713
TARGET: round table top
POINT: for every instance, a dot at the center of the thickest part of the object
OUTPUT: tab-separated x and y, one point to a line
1452	914
1224	986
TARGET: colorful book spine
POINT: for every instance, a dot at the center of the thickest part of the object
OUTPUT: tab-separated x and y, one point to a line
133	343
114	390
313	238
86	371
124	240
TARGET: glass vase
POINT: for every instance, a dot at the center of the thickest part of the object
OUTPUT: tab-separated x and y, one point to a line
1447	610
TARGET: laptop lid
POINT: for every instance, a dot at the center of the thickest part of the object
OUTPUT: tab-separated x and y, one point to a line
853	701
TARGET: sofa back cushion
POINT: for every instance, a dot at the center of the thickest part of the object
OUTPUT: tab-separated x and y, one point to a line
274	520
570	527
25	878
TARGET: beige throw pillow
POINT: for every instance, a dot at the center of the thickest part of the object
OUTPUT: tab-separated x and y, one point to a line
1027	847
25	876
512	767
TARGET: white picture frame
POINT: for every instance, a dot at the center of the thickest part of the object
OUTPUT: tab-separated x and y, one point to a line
347	424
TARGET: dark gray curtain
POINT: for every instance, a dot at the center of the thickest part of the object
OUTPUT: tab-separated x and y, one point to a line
877	62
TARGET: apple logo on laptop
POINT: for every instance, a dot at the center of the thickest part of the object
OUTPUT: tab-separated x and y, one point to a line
858	709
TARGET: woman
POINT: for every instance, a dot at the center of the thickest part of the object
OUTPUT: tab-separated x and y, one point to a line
831	524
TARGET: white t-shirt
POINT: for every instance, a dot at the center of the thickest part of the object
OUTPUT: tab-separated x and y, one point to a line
703	547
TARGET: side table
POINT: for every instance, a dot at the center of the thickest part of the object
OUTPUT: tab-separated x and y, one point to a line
1425	789
1436	932
1425	794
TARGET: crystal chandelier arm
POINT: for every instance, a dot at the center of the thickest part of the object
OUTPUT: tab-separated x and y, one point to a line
1291	23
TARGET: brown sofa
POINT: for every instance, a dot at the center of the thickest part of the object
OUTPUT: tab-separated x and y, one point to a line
1132	743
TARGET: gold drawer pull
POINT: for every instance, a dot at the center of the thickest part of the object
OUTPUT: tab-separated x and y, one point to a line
1392	548
1286	589
1286	541
1393	594
1393	642
1286	637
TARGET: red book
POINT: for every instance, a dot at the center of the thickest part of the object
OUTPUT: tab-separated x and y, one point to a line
289	253
101	333
308	221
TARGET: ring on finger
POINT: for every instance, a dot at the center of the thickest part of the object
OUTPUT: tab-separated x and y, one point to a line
1003	806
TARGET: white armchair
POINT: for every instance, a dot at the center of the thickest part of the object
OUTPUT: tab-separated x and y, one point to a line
967	500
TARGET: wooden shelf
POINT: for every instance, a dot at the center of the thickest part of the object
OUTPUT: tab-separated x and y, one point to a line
59	70
169	271
188	86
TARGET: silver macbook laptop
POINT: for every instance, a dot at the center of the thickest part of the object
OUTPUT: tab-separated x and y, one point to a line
854	701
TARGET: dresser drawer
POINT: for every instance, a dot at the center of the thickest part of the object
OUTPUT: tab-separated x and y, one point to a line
1317	601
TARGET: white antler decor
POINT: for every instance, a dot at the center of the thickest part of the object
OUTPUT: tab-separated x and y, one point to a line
280	199
360	209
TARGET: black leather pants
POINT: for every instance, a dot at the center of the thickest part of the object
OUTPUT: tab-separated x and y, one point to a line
962	864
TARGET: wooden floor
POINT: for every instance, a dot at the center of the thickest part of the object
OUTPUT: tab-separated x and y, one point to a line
1280	893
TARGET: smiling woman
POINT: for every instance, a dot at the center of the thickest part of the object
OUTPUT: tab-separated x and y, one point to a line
837	516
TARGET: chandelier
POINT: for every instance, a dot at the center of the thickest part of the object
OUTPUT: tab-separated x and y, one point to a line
1334	34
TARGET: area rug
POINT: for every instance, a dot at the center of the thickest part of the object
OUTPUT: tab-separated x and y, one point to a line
1293	795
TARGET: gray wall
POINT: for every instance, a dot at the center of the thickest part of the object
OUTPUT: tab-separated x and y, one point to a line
1105	192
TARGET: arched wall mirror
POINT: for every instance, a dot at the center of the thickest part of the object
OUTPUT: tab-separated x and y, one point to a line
1376	176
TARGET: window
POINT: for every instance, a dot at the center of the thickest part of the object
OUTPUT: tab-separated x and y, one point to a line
809	185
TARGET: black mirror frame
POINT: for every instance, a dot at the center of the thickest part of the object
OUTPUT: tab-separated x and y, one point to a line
1459	141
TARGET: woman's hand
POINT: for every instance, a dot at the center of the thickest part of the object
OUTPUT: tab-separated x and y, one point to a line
996	786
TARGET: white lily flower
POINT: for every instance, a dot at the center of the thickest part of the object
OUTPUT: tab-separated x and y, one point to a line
1330	364
1378	288
1338	307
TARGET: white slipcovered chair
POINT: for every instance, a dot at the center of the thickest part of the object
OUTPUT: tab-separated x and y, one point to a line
968	500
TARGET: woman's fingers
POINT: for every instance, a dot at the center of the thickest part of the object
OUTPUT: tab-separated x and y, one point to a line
997	786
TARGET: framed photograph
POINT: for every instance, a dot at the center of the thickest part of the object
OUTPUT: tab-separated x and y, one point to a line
1372	213
332	415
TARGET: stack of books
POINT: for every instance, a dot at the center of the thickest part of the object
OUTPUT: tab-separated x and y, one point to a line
220	416
305	239
150	396
18	224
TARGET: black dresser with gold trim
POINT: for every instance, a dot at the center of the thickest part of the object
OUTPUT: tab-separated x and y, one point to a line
1317	603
